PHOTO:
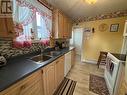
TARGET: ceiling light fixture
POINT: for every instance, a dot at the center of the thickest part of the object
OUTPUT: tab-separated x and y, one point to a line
91	1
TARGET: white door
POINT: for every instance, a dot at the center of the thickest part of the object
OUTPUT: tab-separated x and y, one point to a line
77	40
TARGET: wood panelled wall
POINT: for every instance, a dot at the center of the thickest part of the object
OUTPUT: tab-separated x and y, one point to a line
6	27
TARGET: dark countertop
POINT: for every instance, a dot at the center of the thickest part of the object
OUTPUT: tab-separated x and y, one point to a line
19	67
121	57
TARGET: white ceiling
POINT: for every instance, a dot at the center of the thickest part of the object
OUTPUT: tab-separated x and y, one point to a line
79	8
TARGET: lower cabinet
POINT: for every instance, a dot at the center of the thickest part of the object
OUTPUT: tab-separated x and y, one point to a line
53	74
32	85
49	78
59	71
41	82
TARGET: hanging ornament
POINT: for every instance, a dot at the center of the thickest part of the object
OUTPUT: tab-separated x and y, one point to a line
18	29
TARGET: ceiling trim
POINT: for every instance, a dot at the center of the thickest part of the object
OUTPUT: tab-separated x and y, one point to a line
102	16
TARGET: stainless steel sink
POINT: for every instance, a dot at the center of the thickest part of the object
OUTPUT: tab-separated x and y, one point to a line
41	58
53	53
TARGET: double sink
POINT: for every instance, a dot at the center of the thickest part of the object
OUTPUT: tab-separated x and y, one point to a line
39	59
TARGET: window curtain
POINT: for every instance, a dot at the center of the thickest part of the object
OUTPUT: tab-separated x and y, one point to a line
23	17
46	30
24	14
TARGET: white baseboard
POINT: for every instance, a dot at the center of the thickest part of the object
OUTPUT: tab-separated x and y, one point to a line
90	61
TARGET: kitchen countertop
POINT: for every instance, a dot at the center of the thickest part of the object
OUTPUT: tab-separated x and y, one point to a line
19	67
121	57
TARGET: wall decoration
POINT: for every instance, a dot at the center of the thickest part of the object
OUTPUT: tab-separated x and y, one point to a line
93	30
101	16
103	27
87	32
114	27
88	29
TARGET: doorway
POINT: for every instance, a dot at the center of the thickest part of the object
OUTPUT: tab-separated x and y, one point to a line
77	41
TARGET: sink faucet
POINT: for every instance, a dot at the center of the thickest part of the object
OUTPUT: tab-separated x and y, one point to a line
42	48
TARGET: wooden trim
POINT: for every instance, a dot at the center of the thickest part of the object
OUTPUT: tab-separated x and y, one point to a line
45	3
5	19
125	85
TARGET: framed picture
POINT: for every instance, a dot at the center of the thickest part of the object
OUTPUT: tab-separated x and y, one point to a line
114	27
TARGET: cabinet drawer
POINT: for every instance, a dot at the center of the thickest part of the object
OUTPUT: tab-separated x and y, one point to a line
23	85
60	59
36	89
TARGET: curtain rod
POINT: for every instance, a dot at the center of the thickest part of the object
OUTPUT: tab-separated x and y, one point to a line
46	5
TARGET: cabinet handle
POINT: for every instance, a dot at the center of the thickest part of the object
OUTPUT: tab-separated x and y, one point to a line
42	71
57	62
23	86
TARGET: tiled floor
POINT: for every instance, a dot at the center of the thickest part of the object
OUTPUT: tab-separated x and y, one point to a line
80	73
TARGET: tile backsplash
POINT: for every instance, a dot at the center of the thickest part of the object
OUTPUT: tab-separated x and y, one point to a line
7	51
66	41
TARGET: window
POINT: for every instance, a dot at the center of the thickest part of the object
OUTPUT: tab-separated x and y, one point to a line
36	25
36	20
42	31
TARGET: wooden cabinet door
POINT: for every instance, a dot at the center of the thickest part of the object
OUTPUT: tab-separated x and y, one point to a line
6	27
70	29
60	25
61	68
59	71
67	28
65	32
49	79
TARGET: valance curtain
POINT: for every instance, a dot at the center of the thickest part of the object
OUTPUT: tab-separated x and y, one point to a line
24	14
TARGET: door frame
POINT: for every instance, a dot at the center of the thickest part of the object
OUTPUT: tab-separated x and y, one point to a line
82	47
74	37
124	46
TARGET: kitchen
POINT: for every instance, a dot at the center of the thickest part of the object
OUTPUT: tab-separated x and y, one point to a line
38	58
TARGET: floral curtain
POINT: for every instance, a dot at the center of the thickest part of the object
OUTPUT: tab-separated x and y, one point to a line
47	29
24	14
